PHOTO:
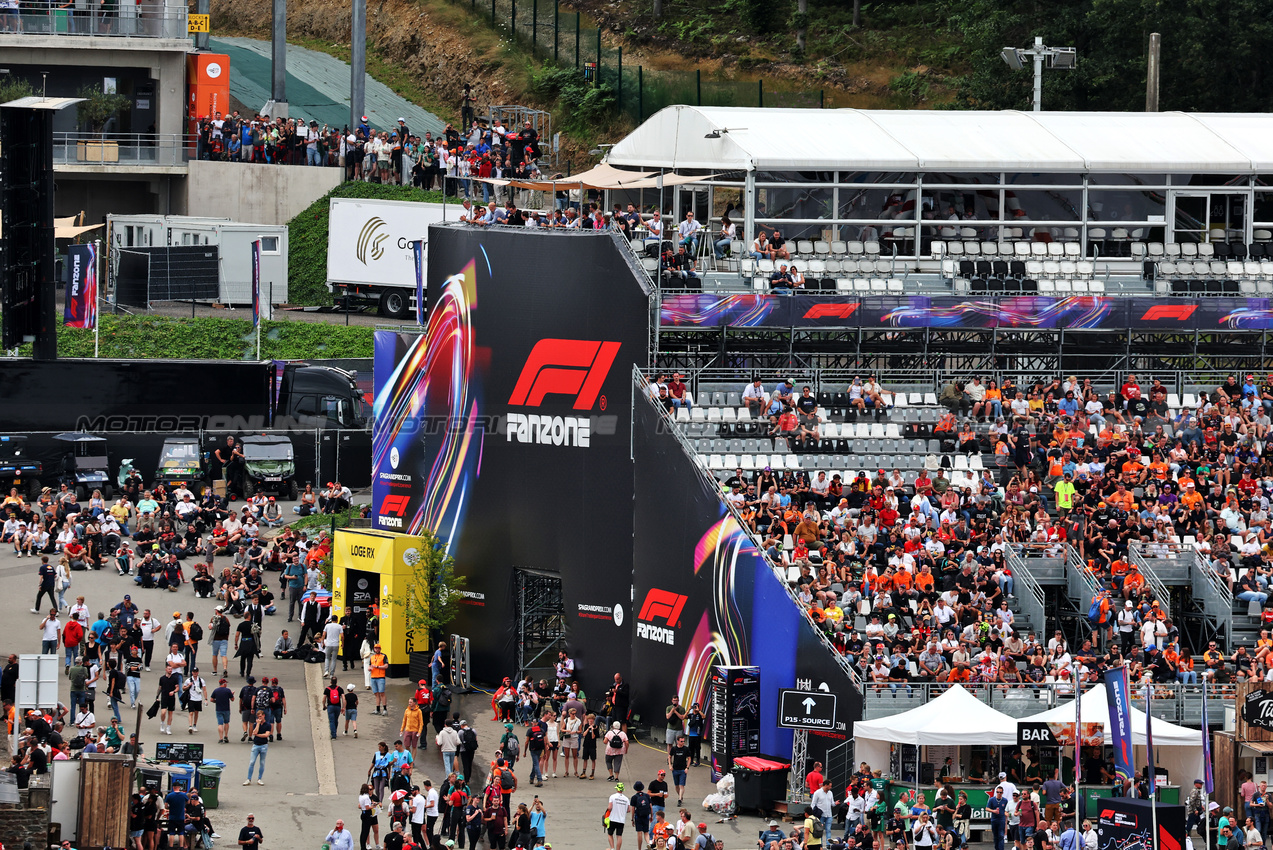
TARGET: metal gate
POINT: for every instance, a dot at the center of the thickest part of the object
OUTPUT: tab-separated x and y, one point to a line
839	766
540	618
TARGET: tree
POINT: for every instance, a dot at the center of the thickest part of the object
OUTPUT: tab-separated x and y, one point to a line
802	23
658	9
433	596
13	88
1217	55
98	107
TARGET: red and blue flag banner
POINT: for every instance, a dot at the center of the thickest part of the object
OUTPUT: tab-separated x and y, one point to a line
256	283
417	249
81	288
1118	693
1149	744
1208	779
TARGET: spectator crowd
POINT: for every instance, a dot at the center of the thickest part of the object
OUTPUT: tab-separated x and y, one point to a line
922	559
455	161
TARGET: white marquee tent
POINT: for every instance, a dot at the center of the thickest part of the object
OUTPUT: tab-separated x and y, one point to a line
746	139
1177	748
956	718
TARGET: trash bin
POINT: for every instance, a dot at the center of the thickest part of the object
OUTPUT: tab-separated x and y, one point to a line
150	780
210	781
758	782
182	776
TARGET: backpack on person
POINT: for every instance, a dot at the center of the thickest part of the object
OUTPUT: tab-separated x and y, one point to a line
1098	613
506	782
512	747
333	695
818	830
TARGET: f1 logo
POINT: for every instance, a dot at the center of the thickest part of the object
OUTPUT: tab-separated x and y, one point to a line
831	311
394	505
663	604
1179	312
575	367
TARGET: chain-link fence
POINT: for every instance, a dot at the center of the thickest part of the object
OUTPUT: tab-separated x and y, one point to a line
639	92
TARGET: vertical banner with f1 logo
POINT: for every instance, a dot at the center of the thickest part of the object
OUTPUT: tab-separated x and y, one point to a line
81	289
256	283
1120	722
417	254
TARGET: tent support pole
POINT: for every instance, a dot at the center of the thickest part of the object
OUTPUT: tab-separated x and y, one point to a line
749	210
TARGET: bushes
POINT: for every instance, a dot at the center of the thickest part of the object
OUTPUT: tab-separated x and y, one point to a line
307	238
156	337
582	105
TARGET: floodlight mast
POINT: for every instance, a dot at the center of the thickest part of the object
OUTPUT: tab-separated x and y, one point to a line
1059	58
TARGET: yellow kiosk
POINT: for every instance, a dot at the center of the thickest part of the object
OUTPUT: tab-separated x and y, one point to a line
369	567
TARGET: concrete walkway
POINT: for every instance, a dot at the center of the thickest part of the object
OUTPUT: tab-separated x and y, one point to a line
317	87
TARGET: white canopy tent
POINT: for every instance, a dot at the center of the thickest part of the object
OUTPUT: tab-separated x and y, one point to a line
1177	748
723	138
956	718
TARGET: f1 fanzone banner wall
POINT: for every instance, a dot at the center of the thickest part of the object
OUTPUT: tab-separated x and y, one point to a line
1079	312
506	427
705	596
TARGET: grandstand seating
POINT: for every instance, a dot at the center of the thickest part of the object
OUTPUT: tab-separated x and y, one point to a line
724	435
1115	264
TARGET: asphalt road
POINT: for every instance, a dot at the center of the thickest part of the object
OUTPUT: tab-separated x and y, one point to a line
310	779
366	317
360	318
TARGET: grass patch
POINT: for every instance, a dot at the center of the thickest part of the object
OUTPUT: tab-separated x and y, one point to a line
169	338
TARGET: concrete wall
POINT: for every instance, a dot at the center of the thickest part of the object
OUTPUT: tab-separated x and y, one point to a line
163	59
101	193
261	194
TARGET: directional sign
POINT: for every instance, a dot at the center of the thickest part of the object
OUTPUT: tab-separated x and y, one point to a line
806	710
198	23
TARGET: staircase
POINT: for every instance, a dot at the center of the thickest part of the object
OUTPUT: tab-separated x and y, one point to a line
1059	582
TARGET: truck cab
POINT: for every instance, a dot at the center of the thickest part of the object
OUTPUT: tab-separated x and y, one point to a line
320	397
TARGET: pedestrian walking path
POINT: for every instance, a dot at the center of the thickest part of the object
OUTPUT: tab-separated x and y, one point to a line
317	87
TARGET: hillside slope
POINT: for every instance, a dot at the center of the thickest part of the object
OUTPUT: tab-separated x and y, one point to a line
426	50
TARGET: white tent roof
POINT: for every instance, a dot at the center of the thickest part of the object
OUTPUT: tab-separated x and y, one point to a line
947	140
1096	709
956	717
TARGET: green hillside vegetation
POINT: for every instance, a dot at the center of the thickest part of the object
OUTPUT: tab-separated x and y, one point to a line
1217	55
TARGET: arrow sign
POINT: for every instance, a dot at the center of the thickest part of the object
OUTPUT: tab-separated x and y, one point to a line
810	710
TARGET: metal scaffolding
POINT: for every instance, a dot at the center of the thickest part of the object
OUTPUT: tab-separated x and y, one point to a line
541	617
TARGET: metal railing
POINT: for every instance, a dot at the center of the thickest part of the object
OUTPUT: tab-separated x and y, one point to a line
119	149
1137	556
1045	561
1172	563
1214	593
1028	592
1080	585
640	390
932	380
131	20
1172	701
